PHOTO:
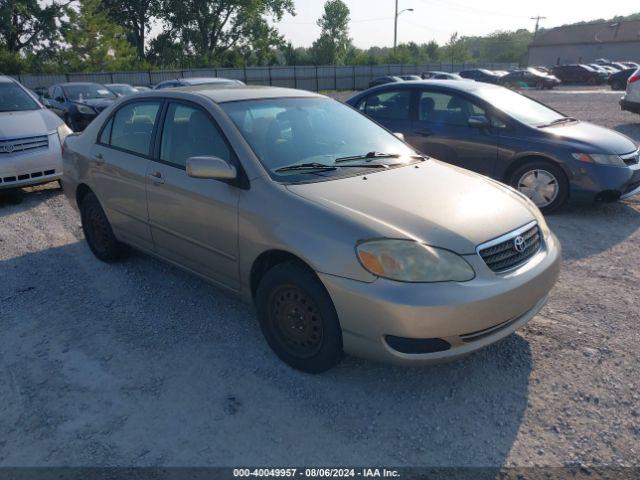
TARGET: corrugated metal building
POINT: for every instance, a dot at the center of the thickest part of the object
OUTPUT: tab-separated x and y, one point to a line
618	41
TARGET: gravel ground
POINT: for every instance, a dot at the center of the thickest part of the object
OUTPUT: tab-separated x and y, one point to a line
139	363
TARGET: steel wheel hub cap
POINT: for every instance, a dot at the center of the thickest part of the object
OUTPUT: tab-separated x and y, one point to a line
296	321
540	186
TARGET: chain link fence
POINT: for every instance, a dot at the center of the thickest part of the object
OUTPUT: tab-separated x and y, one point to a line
314	77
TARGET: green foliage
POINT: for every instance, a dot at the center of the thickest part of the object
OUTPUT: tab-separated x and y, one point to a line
92	35
209	30
334	42
135	17
95	42
28	25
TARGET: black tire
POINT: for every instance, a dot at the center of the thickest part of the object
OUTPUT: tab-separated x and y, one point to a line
542	165
617	85
298	319
97	230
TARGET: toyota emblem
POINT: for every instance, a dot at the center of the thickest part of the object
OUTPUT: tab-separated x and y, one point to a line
518	244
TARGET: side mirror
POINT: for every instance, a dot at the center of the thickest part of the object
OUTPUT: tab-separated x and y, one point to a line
45	101
211	167
478	121
400	136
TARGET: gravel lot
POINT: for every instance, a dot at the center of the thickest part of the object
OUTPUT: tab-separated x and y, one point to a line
139	363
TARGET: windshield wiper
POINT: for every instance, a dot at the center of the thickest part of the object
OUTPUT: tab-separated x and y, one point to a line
322	167
367	156
306	166
558	121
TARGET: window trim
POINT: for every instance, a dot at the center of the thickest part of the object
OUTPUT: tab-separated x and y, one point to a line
160	101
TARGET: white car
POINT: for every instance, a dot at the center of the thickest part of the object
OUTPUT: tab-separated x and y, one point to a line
30	138
631	101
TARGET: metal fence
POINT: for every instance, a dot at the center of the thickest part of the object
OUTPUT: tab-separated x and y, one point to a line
314	77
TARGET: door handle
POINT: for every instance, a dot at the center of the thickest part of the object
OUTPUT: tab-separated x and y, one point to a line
99	158
424	132
157	178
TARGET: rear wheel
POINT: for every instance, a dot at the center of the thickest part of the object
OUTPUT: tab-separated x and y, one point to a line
544	183
298	319
617	85
97	230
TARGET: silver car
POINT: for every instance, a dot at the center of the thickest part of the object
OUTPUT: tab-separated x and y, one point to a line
30	138
342	235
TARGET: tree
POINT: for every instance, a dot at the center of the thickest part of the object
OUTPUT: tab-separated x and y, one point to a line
334	42
211	28
135	16
456	50
26	25
95	41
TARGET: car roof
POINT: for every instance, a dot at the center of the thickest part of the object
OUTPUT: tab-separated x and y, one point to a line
74	84
461	85
7	79
221	93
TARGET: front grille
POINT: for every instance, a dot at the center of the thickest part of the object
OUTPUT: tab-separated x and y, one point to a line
26	176
631	159
511	250
23	144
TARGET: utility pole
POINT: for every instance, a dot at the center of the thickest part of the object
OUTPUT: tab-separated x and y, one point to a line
537	19
395	24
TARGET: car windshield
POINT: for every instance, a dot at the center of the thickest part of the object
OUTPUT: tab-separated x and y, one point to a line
519	107
123	89
14	99
88	91
313	133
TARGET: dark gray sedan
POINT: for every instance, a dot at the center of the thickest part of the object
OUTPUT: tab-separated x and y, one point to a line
546	155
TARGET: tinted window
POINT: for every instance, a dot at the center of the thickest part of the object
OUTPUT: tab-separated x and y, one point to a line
388	105
189	132
133	126
447	109
13	98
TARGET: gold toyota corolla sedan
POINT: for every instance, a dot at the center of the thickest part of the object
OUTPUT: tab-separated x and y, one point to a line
343	236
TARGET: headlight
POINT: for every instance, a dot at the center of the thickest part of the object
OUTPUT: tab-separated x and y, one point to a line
86	110
410	261
63	132
599	158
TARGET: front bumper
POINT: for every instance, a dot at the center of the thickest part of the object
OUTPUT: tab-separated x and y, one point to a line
22	169
591	182
629	106
467	316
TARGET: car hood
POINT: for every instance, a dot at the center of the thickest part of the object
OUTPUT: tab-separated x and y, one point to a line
597	139
436	203
29	123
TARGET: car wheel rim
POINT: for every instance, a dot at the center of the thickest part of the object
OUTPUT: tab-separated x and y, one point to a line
296	321
540	186
95	231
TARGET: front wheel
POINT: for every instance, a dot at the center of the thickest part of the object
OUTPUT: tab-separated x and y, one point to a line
298	319
544	183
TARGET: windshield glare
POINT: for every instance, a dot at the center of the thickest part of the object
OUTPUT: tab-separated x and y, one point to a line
291	131
14	99
518	106
87	92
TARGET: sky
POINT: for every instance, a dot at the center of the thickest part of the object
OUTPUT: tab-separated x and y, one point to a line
372	20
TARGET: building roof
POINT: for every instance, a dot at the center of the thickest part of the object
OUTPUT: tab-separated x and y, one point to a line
590	33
